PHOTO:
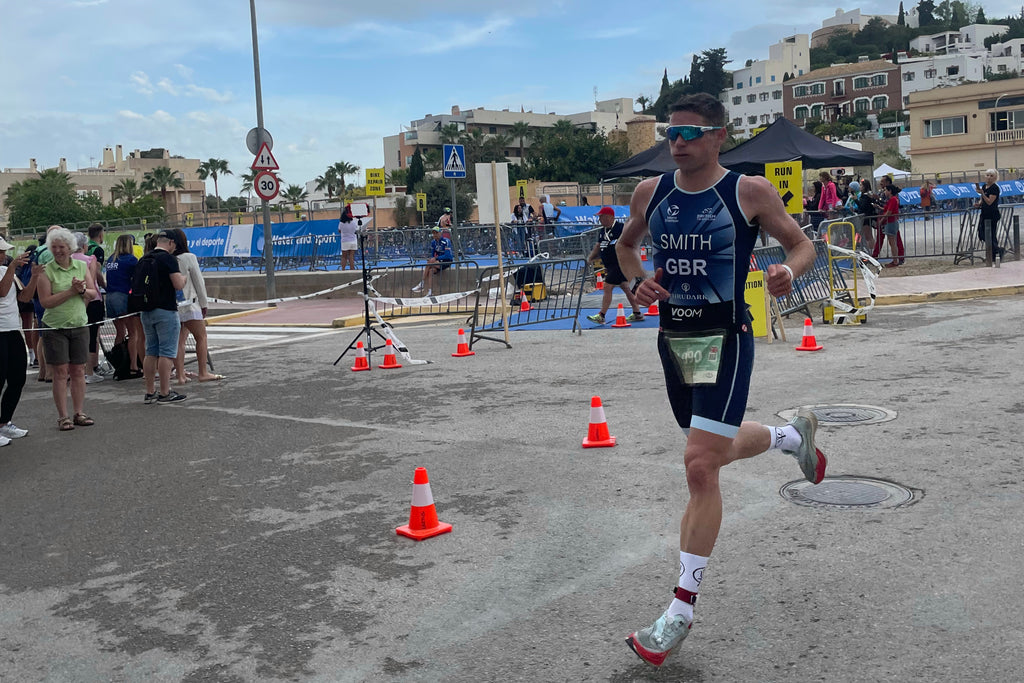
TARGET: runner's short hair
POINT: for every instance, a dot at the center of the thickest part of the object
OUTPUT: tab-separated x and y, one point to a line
707	107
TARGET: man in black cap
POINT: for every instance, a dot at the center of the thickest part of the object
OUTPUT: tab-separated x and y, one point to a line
613	277
159	281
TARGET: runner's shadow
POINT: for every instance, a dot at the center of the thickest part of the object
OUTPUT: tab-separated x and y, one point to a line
667	672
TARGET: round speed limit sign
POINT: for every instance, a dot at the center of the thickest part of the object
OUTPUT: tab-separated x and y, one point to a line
266	185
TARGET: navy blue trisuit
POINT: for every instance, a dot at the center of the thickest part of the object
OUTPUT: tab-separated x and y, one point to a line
702	243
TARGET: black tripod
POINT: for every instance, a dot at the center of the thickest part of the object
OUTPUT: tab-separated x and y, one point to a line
368	327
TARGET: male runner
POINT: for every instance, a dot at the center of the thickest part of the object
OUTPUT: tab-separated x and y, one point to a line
703	220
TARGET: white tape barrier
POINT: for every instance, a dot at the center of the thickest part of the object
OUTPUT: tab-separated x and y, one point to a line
870	269
291	298
396	343
376	297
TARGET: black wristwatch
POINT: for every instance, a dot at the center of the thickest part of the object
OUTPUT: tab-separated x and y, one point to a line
636	285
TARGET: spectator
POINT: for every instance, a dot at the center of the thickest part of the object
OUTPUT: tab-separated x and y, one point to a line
95	245
611	230
814	216
191	311
889	223
27	310
926	197
64	290
550	212
440	254
347	227
120	272
94	309
445	220
13	359
989	205
866	207
885	184
158	280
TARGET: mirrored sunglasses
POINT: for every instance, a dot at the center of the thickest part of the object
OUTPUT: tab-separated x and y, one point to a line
688	133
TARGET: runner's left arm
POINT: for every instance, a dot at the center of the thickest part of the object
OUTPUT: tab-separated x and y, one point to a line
760	201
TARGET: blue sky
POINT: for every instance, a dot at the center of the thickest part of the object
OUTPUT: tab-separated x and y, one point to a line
80	75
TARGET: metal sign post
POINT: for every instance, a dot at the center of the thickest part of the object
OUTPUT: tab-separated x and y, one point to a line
268	241
454	166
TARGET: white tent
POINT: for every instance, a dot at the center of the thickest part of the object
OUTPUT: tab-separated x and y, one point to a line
886	169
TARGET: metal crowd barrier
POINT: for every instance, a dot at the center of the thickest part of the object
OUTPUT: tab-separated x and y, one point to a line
553	288
811	287
396	283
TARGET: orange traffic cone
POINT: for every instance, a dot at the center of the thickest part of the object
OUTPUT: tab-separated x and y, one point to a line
463	347
361	362
390	362
600	282
524	302
653	309
597	433
423	515
808	343
643	253
620	318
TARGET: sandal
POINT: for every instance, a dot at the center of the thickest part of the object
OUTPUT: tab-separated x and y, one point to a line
83	420
65	424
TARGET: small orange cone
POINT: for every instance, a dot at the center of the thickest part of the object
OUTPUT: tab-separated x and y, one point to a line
524	302
361	362
597	433
809	343
463	348
620	318
390	362
643	253
423	515
600	282
653	309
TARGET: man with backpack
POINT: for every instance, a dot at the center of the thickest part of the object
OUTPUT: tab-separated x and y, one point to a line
158	282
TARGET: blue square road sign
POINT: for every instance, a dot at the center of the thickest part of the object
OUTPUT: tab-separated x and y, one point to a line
454	161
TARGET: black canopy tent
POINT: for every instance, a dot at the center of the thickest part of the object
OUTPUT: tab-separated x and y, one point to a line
780	141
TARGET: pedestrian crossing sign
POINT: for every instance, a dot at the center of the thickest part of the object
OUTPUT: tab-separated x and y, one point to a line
454	161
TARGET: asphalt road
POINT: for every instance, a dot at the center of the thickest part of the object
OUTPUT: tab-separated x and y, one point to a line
249	532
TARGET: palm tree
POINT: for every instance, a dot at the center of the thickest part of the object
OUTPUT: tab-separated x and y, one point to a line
213	168
473	141
450	133
127	189
644	102
328	181
521	130
495	147
159	179
342	169
432	159
294	193
248	178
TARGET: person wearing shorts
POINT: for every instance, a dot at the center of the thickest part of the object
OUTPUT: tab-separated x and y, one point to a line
63	291
347	227
611	230
703	221
440	259
160	317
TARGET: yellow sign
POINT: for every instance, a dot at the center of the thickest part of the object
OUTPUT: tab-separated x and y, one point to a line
188	220
421	201
787	177
754	296
375	182
757	130
238	217
521	188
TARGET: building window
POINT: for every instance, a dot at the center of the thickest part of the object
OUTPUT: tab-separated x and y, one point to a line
954	125
751	120
879	80
773	78
816	111
492	130
880	102
929	73
764	96
952	70
817	88
737	122
800	91
766	118
861	104
1001	68
838	88
776	116
909	76
410	135
861	82
800	113
737	99
776	94
408	160
758	80
751	97
739	85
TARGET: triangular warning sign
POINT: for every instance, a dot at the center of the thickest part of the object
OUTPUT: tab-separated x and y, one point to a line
454	162
265	160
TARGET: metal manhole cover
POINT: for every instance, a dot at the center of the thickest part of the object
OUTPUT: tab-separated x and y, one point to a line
846	493
843	414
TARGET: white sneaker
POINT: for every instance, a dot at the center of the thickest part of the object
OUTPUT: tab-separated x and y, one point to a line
9	431
418	288
430	292
4	441
94	378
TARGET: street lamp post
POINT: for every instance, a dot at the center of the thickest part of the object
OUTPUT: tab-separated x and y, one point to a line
995	133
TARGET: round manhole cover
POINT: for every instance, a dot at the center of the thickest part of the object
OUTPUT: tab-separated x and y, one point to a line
847	493
842	414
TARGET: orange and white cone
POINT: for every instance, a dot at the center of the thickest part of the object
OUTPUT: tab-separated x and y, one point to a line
620	318
524	302
361	362
463	348
600	282
390	362
809	343
653	309
643	253
597	433
423	515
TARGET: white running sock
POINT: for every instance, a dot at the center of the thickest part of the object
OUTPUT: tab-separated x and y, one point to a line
691	572
785	438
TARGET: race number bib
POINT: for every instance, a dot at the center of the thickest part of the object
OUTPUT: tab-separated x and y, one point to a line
698	356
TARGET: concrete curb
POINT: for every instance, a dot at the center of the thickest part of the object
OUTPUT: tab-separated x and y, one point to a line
231	316
950	295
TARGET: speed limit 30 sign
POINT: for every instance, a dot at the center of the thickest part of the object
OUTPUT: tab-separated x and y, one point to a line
266	185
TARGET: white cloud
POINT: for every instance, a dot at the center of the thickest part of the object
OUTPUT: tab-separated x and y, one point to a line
210	94
140	81
128	114
160	116
184	71
167	86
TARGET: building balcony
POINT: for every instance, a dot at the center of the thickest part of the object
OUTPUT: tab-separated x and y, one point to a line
1012	135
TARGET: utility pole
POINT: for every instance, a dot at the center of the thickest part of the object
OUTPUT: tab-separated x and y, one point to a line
268	242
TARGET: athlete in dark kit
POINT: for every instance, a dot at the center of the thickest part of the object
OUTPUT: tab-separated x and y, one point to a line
703	221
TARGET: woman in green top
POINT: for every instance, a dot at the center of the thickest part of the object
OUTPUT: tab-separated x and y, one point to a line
63	294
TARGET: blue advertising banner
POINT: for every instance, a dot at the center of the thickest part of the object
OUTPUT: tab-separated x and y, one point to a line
955	191
585	217
290	239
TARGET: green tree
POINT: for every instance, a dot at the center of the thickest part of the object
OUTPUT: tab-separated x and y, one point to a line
450	134
416	172
399	176
127	190
644	101
294	193
495	148
708	74
521	130
432	160
342	169
901	18
248	178
980	17
38	202
925	13
159	179
439	195
402	212
566	152
328	182
214	168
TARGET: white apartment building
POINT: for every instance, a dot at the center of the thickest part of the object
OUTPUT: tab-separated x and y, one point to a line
940	71
968	39
851	22
1007	57
755	98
